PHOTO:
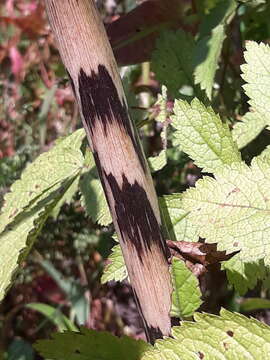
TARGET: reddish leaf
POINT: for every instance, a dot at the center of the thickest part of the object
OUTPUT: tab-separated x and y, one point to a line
33	24
133	36
197	252
16	61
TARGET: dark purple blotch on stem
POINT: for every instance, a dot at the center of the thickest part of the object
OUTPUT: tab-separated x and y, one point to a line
100	102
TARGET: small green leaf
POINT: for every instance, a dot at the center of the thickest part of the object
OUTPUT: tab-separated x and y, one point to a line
186	297
74	291
161	103
90	344
201	134
116	268
207	55
208	48
54	315
93	198
251	304
158	162
175	218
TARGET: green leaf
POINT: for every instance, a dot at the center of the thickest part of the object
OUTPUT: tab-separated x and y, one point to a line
229	336
172	61
233	211
158	162
127	75
250	126
208	48
32	199
54	315
175	218
186	297
251	304
66	198
90	344
256	72
207	55
116	268
244	275
161	103
201	134
93	198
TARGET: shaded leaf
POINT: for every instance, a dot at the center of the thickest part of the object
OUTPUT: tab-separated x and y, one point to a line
172	61
19	349
89	344
73	290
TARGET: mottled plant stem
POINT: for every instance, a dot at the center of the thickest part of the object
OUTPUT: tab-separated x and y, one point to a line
122	167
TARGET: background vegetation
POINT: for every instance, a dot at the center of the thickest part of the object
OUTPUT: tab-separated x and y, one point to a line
195	51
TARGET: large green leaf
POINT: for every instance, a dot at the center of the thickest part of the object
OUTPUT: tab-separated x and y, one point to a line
201	134
233	210
32	199
229	336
